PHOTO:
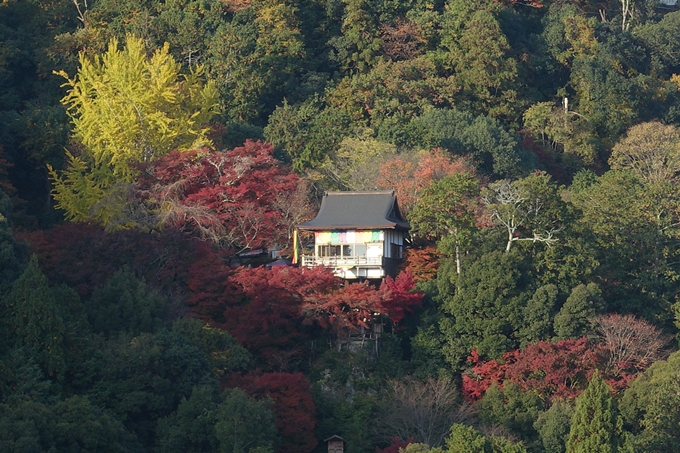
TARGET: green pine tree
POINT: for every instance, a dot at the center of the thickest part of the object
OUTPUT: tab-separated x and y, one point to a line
11	253
34	318
596	426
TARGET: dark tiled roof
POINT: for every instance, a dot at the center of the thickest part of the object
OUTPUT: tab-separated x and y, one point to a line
334	436
358	210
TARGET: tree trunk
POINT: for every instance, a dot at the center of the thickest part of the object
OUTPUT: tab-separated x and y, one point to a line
457	259
509	244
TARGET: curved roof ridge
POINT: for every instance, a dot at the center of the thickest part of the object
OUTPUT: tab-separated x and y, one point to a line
358	210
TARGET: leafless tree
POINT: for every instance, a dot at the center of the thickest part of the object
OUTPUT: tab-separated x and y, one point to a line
424	410
402	41
171	211
627	11
512	206
630	343
81	10
294	208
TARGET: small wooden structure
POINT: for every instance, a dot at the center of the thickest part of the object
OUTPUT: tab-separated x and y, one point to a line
362	338
360	235
336	444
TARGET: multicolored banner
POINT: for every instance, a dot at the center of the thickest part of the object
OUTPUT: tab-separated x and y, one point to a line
295	246
347	237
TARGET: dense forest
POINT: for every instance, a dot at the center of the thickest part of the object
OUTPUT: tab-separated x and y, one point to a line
148	149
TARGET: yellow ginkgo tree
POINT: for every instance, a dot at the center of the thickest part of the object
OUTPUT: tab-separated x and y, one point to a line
126	108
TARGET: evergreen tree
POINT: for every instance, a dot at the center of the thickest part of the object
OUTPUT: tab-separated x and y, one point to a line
466	439
244	425
34	318
553	426
10	251
539	314
650	406
486	311
126	304
71	425
596	426
446	211
192	426
512	408
574	319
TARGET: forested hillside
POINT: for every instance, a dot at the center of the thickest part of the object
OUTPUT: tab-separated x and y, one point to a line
149	148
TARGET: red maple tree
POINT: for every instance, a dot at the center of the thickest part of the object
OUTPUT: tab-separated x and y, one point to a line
396	446
626	347
264	308
553	370
228	197
294	408
399	296
84	256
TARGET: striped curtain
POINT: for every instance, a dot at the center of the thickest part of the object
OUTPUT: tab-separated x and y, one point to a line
348	237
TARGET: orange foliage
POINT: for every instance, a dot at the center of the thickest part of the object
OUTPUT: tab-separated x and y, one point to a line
236	5
422	262
408	178
402	41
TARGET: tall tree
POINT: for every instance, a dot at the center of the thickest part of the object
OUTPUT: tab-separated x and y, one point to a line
126	109
482	65
446	211
73	424
229	423
10	251
564	131
513	408
192	426
140	379
34	319
33	126
256	58
486	311
651	151
576	318
648	406
553	426
126	304
596	425
635	227
529	209
245	425
307	133
491	147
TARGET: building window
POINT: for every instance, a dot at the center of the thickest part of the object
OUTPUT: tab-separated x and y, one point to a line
396	251
329	250
341	251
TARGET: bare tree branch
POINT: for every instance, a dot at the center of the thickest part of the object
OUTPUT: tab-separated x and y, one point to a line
424	410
